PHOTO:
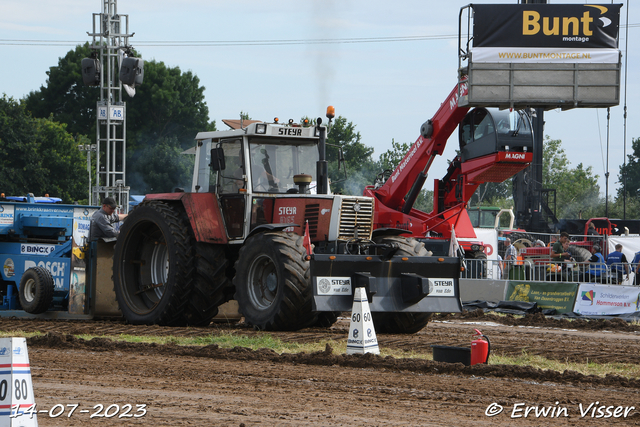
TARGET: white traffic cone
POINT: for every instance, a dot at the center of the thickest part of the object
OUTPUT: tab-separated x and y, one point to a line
17	404
362	334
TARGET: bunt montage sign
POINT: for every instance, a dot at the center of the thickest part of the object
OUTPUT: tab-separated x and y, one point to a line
546	33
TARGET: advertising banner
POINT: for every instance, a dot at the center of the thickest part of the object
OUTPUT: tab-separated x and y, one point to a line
548	295
599	300
567	33
78	278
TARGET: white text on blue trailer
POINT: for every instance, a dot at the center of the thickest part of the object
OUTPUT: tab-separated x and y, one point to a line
42	250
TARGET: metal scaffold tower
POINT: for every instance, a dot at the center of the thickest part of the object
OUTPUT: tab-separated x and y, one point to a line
110	43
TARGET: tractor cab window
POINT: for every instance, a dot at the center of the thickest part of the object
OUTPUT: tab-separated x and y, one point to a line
232	177
482	124
476	125
512	123
275	162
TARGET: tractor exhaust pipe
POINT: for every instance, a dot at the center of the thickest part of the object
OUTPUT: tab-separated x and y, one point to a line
322	168
322	171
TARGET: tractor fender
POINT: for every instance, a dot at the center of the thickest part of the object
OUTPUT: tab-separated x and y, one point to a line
203	212
389	232
270	227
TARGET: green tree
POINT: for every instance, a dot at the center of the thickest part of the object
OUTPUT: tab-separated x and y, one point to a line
577	190
491	193
38	156
169	105
627	207
162	167
361	169
389	161
64	97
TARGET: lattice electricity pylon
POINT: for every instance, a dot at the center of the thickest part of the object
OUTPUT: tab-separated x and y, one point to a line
111	46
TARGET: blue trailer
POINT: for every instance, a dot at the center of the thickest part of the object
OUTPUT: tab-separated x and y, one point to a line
48	263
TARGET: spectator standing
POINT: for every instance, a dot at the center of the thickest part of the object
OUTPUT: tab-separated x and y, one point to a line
103	220
559	250
635	265
510	256
617	262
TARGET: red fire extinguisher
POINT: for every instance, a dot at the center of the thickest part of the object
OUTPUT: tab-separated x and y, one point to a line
480	348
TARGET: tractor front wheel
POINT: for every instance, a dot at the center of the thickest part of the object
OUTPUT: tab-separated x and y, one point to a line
272	282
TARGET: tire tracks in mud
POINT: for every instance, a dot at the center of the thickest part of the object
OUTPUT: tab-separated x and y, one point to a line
580	340
58	341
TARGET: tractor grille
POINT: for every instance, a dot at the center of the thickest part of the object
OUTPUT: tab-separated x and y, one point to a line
311	214
356	213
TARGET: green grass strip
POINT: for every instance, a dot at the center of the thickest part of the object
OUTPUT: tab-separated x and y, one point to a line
265	340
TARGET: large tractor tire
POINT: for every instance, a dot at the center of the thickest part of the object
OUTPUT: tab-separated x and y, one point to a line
153	266
211	287
36	290
401	323
521	240
579	254
273	285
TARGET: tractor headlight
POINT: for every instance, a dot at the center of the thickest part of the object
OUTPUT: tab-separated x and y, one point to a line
261	128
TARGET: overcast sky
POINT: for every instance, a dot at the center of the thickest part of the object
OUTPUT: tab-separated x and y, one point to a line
386	88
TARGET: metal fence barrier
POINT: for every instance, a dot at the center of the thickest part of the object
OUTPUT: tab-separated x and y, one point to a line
543	270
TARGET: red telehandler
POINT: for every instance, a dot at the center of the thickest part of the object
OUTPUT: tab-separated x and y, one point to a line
494	145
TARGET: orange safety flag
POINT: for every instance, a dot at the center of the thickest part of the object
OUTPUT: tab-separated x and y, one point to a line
307	240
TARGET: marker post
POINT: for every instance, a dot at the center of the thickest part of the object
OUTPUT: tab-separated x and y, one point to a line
362	335
16	388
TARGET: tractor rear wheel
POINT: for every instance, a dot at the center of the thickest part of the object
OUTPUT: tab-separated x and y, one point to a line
272	282
401	323
153	265
211	287
36	290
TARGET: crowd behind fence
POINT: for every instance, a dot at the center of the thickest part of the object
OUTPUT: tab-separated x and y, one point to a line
534	262
565	271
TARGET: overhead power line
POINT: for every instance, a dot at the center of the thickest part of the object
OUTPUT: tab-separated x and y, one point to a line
223	43
197	43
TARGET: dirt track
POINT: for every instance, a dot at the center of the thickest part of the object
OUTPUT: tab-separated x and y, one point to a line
212	386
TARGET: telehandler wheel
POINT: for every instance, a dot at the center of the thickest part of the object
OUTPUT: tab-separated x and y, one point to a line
153	265
401	323
36	290
272	282
211	287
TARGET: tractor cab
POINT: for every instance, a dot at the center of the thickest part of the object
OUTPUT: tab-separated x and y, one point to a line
267	165
486	131
252	170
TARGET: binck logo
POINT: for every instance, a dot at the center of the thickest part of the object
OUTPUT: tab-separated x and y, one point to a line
577	26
